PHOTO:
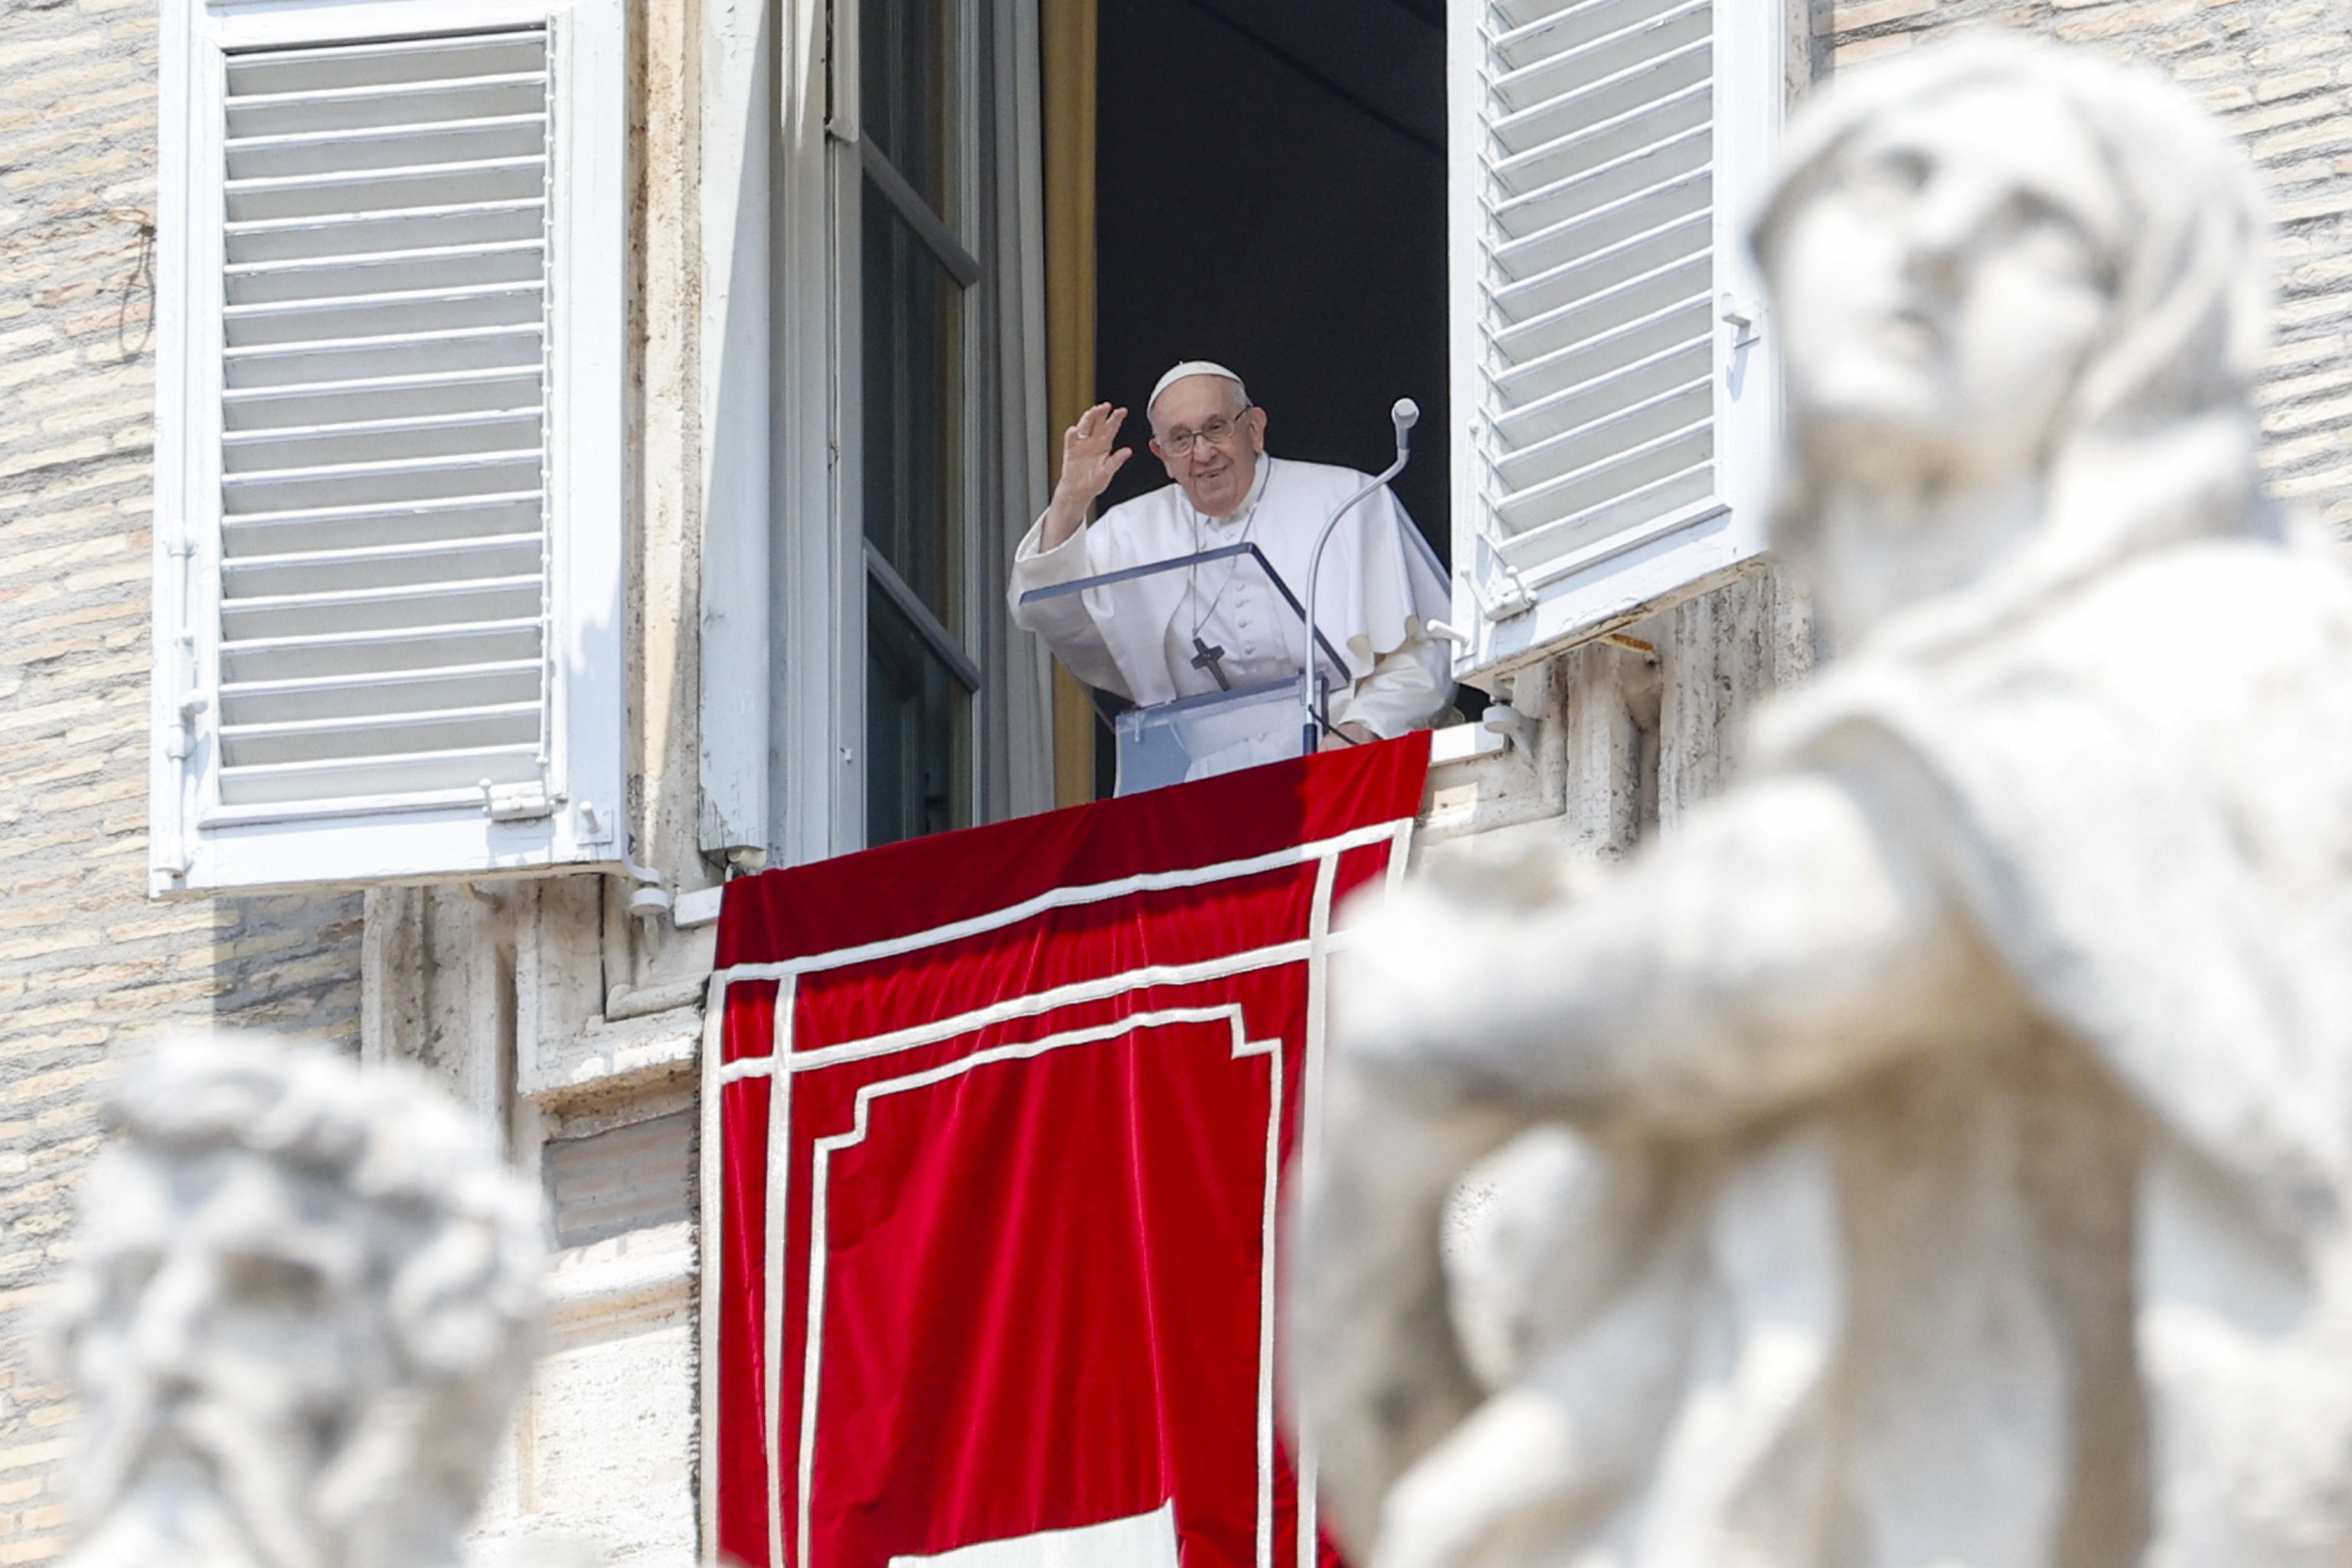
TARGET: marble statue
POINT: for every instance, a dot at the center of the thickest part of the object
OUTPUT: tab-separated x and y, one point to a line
1934	1151
303	1300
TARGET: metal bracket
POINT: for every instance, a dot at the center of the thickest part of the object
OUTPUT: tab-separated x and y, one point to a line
1502	718
595	827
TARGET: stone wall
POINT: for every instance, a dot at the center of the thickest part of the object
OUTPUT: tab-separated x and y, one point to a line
2280	76
87	963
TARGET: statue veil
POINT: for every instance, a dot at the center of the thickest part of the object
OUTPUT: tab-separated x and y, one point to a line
2157	442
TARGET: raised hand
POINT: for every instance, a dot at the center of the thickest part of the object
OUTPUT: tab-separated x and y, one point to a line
1090	463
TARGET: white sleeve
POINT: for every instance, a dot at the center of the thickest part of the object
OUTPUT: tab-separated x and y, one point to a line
1064	620
1407	688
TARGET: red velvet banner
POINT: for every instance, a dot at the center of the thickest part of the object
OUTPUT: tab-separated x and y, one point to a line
993	1143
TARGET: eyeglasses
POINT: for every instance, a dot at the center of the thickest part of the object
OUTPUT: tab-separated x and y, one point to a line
1216	433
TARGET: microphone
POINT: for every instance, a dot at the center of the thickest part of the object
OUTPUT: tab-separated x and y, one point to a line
1405	414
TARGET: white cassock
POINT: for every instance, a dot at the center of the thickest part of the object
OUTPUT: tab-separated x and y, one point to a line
1381	586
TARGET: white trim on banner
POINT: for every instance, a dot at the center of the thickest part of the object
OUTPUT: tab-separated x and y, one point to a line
1313	951
780	1178
1396	833
819	1216
1029	1006
1138	1541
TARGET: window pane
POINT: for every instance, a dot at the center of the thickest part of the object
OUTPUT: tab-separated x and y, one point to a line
903	96
911	364
917	732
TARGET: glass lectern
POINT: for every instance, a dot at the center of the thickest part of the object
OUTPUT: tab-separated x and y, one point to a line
1216	732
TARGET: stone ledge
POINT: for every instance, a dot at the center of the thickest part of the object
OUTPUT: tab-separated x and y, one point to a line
608	1054
642	1280
1479	781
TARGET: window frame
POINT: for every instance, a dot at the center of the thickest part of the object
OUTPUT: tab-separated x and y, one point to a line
785	577
859	166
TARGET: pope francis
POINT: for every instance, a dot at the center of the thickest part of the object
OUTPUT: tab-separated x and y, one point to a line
1221	626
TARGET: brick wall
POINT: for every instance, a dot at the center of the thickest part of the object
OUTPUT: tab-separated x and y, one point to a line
86	963
2280	76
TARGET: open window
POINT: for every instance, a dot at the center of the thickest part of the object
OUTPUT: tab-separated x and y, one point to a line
388	456
873	417
1522	212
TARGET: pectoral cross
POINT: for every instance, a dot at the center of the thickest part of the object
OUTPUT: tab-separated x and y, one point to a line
1211	659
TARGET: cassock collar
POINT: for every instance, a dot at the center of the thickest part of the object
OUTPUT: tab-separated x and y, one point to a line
1248	510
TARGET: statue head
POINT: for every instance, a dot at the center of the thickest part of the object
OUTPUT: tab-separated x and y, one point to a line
2022	296
303	1301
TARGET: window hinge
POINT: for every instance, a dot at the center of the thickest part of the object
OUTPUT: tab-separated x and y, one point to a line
183	734
649	897
1514	727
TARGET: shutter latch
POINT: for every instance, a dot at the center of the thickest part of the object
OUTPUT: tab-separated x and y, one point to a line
1515	598
516	803
1740	317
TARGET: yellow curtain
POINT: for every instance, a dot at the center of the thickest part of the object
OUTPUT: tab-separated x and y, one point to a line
1067	31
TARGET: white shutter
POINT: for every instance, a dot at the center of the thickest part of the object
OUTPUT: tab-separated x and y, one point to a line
1614	400
390	438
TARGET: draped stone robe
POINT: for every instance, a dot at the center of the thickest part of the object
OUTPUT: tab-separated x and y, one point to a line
2063	1286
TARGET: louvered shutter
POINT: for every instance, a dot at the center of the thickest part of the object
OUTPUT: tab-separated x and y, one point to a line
1610	363
390	442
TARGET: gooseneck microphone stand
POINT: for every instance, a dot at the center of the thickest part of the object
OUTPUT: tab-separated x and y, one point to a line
1404	416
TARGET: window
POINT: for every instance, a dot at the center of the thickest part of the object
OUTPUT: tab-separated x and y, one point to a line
1611	361
873	410
913	433
387	460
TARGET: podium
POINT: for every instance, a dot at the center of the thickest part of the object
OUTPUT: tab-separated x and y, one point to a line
1215	731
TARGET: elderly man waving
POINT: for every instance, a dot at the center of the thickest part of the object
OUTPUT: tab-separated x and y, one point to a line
1221	626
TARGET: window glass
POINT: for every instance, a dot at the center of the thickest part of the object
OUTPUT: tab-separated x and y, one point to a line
912	420
912	364
905	90
917	747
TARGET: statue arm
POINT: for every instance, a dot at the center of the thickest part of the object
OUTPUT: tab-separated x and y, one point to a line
1784	939
1371	1363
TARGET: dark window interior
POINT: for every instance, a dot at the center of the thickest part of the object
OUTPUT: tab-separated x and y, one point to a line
1271	193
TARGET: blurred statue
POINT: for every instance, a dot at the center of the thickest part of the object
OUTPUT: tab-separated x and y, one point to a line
303	1301
1935	1151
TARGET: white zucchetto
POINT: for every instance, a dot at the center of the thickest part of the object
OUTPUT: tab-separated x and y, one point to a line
1192	367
